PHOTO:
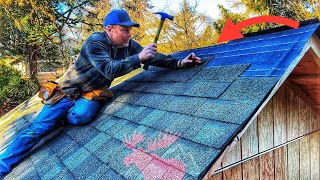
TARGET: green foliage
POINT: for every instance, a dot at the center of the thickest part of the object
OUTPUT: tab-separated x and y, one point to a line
298	10
14	89
227	14
36	29
294	9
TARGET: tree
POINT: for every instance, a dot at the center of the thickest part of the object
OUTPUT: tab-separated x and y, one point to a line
139	10
227	14
293	9
187	31
41	26
14	89
306	9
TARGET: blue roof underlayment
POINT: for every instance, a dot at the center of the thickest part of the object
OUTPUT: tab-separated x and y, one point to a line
204	107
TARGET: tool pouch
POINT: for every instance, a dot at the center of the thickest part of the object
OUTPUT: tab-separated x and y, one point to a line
101	94
50	93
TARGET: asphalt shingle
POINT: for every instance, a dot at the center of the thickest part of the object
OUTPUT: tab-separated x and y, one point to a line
90	167
113	108
211	89
108	149
220	73
142	115
63	146
100	171
129	112
193	130
112	125
184	104
112	174
193	155
129	128
117	162
249	89
54	171
97	142
156	101
25	169
220	133
64	174
127	97
152	118
76	159
173	122
81	134
48	165
228	111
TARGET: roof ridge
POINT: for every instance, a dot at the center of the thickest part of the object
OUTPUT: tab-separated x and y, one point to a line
281	28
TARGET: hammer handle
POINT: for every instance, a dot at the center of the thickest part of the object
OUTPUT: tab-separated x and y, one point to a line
158	32
147	63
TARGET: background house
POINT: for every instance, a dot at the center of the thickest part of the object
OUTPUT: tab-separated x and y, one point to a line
251	110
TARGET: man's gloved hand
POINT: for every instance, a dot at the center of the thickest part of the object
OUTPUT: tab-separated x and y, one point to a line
189	61
148	52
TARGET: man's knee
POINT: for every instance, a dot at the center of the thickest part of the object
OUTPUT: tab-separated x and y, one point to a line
84	111
78	118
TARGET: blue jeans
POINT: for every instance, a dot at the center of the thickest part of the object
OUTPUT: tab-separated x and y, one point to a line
76	112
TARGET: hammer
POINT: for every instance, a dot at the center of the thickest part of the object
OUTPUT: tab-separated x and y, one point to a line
164	16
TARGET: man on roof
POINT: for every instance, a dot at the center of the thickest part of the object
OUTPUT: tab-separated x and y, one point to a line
84	88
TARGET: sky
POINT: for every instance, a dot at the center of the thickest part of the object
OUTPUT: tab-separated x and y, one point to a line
210	7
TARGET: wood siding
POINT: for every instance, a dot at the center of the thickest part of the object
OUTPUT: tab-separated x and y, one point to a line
282	143
297	160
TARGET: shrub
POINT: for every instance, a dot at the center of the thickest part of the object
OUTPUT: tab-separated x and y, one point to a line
14	89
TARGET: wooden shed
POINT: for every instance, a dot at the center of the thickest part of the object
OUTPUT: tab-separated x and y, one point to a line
282	139
250	111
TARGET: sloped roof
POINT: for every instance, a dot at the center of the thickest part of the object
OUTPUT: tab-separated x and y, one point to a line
201	109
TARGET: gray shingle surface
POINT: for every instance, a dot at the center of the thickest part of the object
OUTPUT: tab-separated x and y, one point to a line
76	158
97	142
193	155
184	104
220	73
46	163
128	128
113	125
112	174
173	122
207	88
81	134
108	149
152	118
193	130
129	112
65	147
25	169
156	101
90	167
228	111
249	89
65	173
215	134
201	108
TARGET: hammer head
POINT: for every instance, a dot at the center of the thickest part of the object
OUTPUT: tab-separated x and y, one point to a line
164	16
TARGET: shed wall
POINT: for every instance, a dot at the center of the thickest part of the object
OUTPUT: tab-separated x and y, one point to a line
282	143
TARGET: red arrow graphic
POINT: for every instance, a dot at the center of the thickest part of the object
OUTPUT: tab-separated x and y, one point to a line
232	31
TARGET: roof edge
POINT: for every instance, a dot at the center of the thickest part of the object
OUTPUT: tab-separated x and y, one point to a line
282	28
